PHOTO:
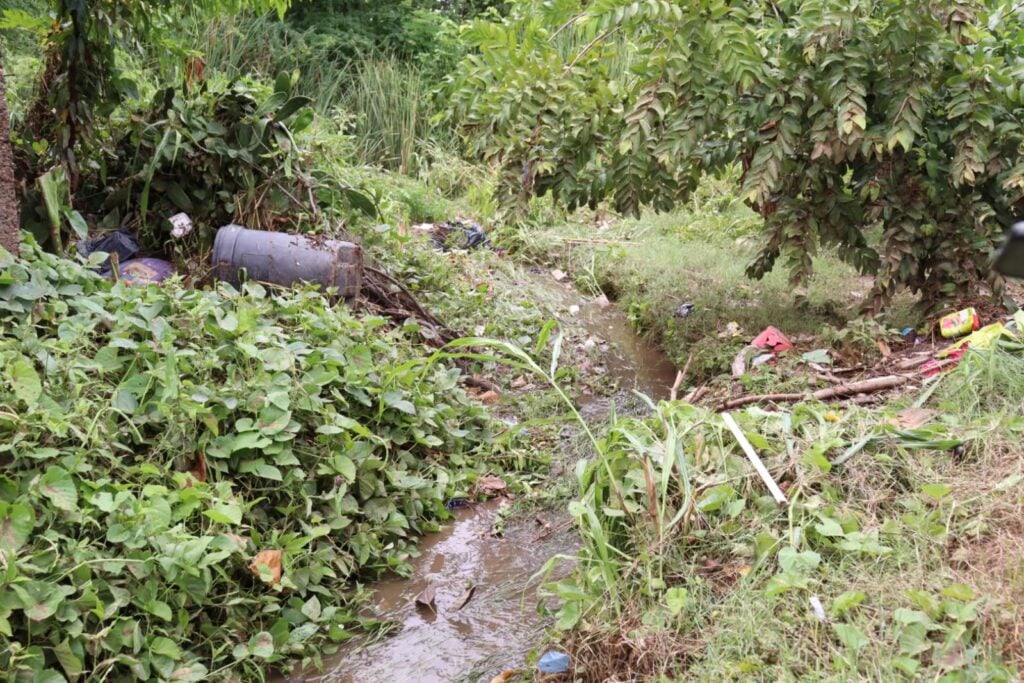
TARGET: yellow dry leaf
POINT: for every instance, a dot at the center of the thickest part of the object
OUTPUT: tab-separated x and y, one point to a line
271	559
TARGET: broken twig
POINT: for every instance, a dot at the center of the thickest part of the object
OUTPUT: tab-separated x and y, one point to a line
680	376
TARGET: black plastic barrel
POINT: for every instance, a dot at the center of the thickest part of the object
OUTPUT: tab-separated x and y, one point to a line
284	259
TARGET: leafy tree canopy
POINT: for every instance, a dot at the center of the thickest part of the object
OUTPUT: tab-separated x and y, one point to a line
83	77
901	117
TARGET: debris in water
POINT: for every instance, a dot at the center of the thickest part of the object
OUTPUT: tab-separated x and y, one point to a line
602	301
553	662
465	597
559	275
427	598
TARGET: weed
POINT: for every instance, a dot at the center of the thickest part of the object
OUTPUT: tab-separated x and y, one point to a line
193	479
689	569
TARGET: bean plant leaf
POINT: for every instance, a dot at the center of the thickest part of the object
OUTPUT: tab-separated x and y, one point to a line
16	523
25	380
851	636
225	513
58	485
262	645
676	599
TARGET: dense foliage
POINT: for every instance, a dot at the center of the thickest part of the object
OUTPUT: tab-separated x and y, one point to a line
846	117
192	479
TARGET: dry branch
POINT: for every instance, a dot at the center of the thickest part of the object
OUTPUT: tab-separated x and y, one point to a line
867	386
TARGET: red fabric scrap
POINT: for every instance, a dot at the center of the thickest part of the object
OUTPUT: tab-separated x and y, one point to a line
772	338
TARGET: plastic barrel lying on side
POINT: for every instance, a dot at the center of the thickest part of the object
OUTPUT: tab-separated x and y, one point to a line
284	259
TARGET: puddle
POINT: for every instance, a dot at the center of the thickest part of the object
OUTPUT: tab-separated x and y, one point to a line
493	632
499	626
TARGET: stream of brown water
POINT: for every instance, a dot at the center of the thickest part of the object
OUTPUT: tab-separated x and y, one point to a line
498	627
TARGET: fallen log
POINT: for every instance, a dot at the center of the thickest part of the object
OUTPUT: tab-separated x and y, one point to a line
867	386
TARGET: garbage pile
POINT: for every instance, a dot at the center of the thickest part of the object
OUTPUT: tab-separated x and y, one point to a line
457	233
122	248
916	359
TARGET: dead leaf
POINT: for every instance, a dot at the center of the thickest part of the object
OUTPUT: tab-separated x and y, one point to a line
559	275
427	597
503	677
465	597
912	418
884	348
199	470
490	397
271	559
518	382
490	485
602	301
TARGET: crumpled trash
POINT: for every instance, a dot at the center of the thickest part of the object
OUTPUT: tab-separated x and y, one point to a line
472	234
947	358
553	662
144	271
959	323
181	225
121	242
685	310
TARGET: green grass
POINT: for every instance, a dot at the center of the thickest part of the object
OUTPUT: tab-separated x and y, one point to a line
690	572
698	254
386	103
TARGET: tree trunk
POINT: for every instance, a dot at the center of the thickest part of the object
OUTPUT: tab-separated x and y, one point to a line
10	235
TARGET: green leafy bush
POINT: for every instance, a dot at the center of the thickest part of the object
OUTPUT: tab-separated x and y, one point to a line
217	151
163	448
848	118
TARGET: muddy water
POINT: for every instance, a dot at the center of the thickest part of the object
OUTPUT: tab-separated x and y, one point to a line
622	357
500	624
493	631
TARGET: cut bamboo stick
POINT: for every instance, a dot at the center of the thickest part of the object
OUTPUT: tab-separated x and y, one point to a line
766	477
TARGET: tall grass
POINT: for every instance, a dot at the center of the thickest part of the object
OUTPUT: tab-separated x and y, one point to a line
393	105
390	102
